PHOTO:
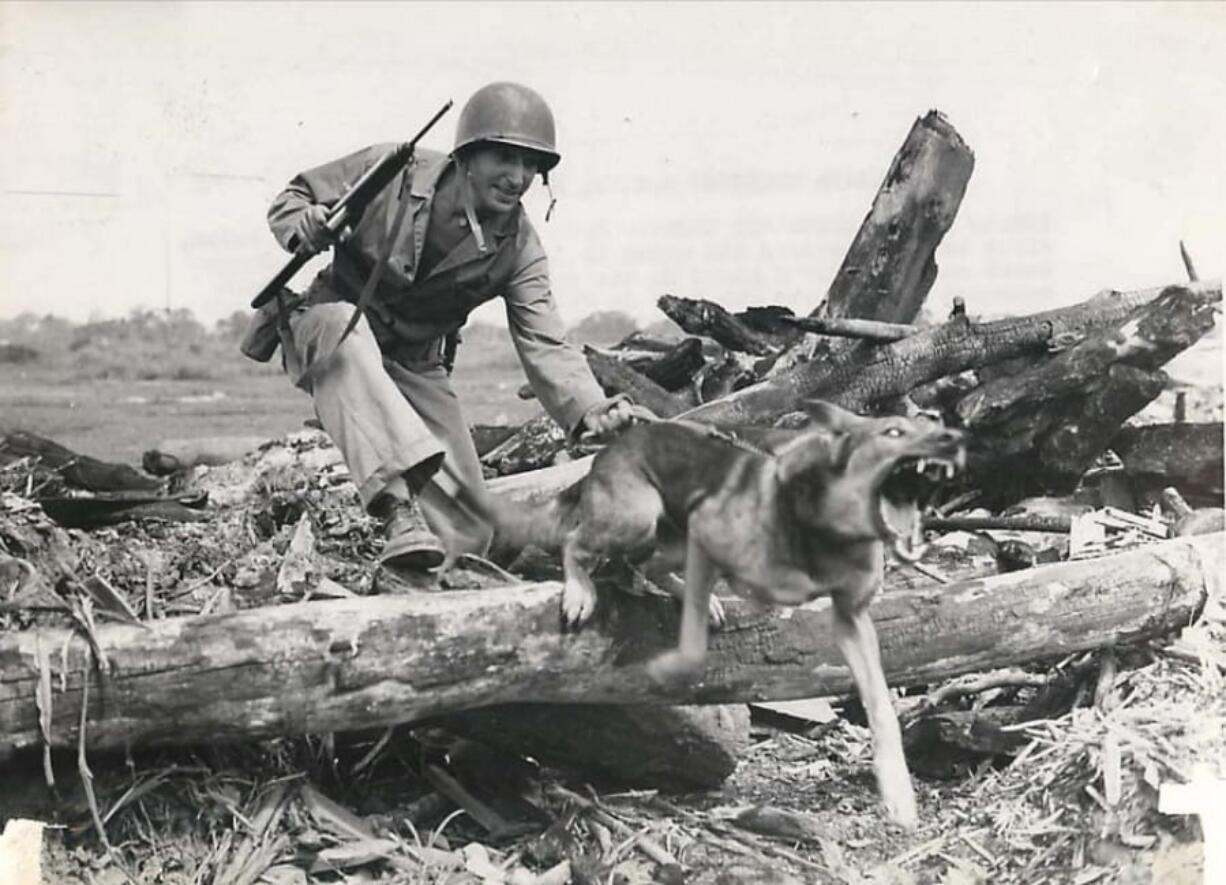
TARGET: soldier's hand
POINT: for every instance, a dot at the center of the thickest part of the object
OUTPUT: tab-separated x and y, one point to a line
612	416
311	229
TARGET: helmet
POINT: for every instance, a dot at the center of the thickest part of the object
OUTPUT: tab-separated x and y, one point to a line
508	113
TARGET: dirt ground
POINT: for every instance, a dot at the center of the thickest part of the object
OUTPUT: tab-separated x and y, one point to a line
800	807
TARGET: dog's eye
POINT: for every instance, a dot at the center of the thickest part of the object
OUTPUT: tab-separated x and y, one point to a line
893	431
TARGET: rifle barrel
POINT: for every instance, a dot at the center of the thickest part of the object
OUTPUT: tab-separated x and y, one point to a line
363	191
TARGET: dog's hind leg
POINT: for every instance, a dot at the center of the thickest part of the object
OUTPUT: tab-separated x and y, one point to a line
685	663
856	638
662	573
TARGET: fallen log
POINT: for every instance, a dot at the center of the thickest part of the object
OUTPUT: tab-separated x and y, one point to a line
617	377
75	470
700	317
361	662
1050	422
674	369
1186	456
858	378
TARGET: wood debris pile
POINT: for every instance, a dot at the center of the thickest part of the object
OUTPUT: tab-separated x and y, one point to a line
291	715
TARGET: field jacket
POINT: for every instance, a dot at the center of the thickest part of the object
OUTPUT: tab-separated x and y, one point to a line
411	314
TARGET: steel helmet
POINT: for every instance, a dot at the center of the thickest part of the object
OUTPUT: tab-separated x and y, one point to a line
509	113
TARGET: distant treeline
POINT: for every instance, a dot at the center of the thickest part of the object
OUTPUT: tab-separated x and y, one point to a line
173	344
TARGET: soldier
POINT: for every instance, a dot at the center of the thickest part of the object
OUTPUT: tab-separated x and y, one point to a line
455	235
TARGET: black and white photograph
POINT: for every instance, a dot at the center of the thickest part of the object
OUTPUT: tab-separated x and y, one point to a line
612	443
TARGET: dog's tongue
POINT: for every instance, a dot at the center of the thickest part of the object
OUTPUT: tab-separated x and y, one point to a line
902	519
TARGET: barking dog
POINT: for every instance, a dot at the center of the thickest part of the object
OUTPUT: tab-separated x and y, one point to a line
784	516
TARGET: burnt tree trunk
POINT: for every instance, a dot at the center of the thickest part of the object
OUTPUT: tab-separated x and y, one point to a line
374	661
891	264
859	378
1050	422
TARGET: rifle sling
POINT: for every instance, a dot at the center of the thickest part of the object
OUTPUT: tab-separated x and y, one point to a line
368	291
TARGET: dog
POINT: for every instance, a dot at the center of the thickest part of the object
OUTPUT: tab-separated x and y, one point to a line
786	516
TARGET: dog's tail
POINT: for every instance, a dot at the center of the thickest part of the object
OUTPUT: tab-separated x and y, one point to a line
542	524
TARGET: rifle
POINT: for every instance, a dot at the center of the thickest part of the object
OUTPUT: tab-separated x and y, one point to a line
350	206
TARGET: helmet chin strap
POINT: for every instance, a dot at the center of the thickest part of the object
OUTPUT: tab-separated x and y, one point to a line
466	199
553	201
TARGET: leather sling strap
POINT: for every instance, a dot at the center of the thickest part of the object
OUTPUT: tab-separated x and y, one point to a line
368	291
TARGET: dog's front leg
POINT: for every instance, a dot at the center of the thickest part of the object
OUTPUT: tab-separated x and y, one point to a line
578	590
856	638
685	663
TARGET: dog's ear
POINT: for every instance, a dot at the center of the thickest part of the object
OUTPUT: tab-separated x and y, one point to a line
814	449
828	416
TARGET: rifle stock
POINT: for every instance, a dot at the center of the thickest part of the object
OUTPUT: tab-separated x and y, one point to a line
350	206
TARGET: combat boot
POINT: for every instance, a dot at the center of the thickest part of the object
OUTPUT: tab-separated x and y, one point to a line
409	542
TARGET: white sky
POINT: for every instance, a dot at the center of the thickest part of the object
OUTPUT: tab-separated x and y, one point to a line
722	151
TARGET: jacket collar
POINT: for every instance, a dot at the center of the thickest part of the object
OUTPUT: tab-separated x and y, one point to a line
431	166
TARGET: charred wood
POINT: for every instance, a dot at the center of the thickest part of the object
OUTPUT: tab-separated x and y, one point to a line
1049	423
700	317
1186	456
617	377
859	378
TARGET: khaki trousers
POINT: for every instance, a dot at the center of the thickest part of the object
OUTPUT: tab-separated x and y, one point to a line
387	417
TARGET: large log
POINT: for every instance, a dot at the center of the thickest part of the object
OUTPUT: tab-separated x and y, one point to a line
1050	422
858	378
373	661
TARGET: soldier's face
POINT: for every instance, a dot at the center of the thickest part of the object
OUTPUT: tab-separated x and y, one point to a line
499	175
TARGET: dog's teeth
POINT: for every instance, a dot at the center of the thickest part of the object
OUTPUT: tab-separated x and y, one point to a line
949	470
920	465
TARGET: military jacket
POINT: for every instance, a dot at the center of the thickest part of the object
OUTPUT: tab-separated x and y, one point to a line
411	313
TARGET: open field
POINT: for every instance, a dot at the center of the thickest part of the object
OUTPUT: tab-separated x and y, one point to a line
117	408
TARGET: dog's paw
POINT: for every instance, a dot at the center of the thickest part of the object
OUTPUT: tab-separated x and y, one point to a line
578	604
674	669
900	805
715	613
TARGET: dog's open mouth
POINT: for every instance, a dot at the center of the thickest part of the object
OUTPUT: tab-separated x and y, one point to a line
909	489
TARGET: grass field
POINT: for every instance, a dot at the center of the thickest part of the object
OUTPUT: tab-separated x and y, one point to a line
116	398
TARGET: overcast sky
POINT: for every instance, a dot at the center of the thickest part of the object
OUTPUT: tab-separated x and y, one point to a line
721	151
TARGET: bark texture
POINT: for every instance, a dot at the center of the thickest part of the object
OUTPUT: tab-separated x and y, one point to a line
372	661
